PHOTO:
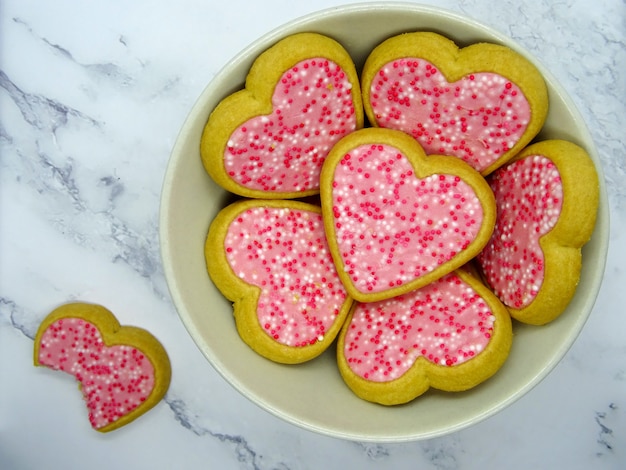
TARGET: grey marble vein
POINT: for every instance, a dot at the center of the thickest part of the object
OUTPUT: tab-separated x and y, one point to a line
606	437
108	70
442	453
245	454
137	249
4	135
42	113
373	451
49	170
21	320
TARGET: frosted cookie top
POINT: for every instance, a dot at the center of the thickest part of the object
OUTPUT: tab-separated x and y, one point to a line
451	335
395	219
445	322
270	139
391	226
547	202
284	151
477	118
482	103
115	380
272	260
283	251
529	197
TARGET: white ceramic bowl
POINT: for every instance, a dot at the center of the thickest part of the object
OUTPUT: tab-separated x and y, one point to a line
313	395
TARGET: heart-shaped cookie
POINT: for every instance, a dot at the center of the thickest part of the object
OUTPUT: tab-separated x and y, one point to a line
270	139
396	219
123	371
272	260
547	201
451	335
483	103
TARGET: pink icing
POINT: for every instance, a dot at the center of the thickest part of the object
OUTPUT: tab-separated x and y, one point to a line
284	252
284	151
114	379
477	118
445	322
392	227
529	197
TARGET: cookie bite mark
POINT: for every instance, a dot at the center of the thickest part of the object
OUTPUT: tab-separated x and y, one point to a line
482	103
272	259
122	371
270	139
547	200
114	380
396	220
451	334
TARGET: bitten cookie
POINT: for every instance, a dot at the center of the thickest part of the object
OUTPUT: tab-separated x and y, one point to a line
270	139
123	371
547	200
452	335
272	260
483	103
396	219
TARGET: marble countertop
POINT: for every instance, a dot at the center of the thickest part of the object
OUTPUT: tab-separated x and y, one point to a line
92	96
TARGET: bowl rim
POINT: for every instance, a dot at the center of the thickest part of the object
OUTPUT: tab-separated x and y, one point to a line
601	232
